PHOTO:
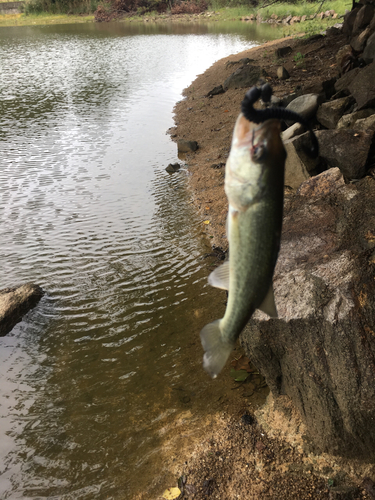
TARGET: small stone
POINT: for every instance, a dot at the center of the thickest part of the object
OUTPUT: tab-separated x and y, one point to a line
282	73
173	167
186	146
216	91
283	51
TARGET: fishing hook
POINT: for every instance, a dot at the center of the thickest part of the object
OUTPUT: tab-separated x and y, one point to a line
260	115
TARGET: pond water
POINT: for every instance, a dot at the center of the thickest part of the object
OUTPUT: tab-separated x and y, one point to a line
93	378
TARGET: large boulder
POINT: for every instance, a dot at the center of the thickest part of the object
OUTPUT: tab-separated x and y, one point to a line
362	87
320	352
363	18
330	112
347	149
306	105
15	303
369	52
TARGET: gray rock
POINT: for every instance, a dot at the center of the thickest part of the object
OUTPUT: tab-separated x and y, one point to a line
282	73
243	77
363	18
173	167
320	352
348	121
329	113
306	105
298	165
293	131
358	42
244	60
369	52
344	82
15	303
362	87
287	20
349	19
365	124
283	51
186	146
334	31
346	149
216	91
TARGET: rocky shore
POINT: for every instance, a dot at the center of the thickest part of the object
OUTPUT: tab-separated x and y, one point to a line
315	437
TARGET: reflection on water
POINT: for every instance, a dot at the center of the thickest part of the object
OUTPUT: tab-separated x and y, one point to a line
93	376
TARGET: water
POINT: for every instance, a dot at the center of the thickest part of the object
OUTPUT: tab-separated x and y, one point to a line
93	380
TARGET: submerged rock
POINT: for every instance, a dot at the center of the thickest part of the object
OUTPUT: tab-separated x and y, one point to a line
173	167
15	303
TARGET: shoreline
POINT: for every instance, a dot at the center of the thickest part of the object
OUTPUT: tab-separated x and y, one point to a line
264	453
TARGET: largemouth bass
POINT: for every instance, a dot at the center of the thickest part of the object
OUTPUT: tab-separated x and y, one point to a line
254	185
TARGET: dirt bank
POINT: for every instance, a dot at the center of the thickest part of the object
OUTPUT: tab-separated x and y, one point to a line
209	121
247	456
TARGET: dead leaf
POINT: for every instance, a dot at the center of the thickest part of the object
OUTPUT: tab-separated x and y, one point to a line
242	363
206	222
171	493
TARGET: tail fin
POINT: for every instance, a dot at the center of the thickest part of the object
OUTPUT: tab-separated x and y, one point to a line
216	350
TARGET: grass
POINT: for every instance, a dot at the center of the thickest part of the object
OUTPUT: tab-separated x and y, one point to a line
280	9
37	19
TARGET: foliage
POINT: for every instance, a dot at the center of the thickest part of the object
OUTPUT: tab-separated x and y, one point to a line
228	9
189	7
61	6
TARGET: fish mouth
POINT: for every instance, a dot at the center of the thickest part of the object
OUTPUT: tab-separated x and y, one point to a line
259	138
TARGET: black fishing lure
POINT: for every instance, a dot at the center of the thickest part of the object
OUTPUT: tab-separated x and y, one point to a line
261	115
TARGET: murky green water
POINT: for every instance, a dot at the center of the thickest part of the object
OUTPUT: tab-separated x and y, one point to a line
93	376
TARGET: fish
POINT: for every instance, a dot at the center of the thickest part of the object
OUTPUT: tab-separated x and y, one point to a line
254	186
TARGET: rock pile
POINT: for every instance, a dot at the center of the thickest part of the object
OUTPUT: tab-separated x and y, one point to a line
288	19
320	352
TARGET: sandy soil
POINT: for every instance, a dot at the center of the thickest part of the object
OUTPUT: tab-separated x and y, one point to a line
245	453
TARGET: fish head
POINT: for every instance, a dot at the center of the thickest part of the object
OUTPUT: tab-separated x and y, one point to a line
256	161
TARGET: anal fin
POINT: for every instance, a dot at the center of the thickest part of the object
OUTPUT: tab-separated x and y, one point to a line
268	305
219	278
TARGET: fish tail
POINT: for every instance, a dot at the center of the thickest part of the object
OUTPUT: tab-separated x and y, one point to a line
217	351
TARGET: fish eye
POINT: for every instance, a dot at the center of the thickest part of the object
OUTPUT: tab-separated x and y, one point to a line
258	152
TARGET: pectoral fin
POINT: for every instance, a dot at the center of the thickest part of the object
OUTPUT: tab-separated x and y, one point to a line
219	278
268	305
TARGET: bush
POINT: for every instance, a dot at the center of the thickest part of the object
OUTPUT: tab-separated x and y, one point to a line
189	7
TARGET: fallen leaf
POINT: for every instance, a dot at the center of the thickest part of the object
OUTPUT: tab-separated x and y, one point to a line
206	222
171	493
239	375
242	363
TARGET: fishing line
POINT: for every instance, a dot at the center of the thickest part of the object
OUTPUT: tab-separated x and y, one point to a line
260	115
